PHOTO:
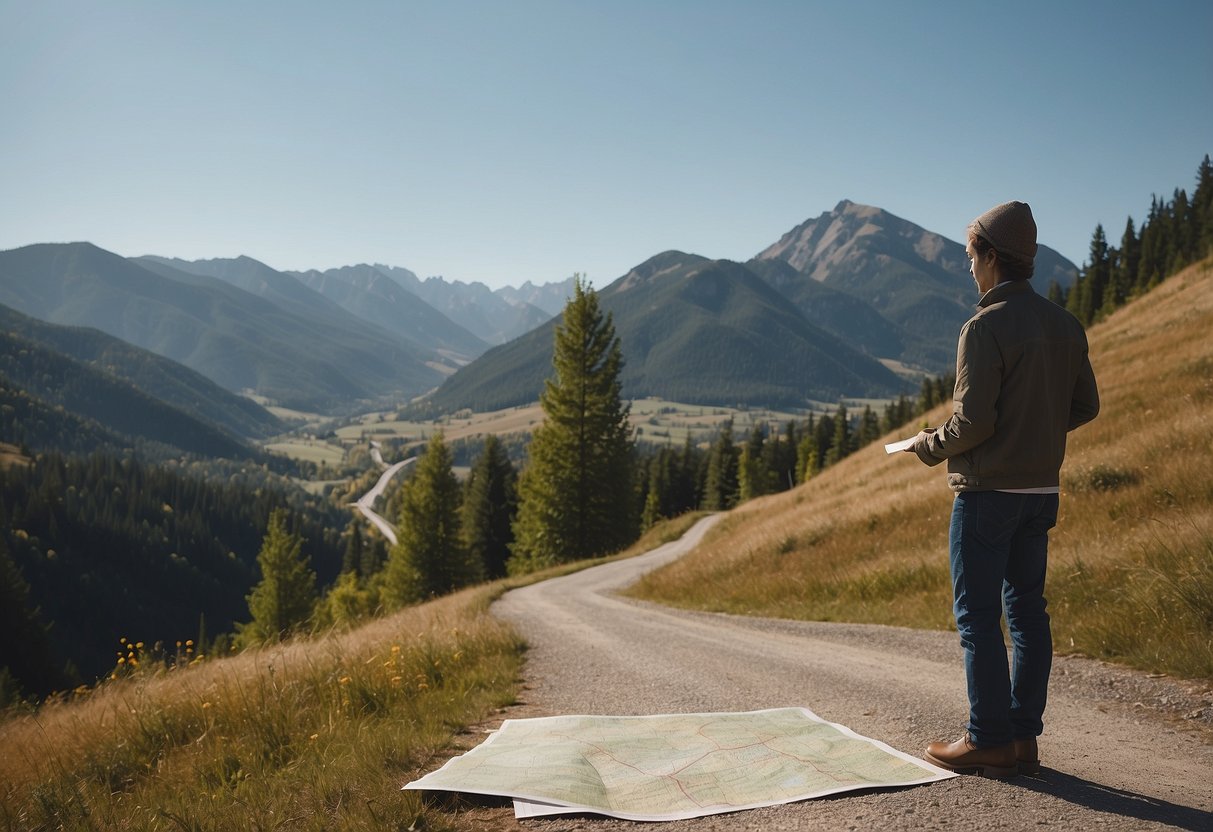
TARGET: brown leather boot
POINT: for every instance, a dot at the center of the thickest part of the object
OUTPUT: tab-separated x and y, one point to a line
1027	756
964	757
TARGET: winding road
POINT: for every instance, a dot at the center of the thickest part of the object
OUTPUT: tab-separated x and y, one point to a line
1113	758
366	503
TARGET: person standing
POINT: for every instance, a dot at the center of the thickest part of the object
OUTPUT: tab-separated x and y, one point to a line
1023	381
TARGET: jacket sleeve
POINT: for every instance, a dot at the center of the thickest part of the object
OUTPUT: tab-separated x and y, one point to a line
1084	404
979	369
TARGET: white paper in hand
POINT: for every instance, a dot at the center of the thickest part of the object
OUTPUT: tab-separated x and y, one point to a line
894	447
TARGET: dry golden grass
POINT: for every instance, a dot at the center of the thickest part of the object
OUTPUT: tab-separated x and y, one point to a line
315	733
1131	573
310	734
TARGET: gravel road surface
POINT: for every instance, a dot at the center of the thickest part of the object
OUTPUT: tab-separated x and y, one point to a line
1122	750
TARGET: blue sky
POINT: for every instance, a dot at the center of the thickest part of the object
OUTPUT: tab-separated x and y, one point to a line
524	140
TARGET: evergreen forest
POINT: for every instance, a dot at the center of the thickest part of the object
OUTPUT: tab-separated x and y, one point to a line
1175	233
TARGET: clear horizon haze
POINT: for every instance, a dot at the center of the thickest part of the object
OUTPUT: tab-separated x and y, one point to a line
526	141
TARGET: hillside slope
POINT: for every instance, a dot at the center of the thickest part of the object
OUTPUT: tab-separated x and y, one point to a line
155	375
61	382
1131	562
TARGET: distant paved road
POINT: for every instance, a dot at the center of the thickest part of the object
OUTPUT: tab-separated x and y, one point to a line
1112	761
366	503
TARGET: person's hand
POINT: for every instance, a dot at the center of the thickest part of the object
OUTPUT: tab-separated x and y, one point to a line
919	440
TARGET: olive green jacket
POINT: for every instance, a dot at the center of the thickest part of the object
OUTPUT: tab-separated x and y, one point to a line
1023	380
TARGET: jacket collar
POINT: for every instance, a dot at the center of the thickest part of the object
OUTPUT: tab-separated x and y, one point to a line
1004	290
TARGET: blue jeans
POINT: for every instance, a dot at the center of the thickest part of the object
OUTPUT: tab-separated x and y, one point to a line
999	549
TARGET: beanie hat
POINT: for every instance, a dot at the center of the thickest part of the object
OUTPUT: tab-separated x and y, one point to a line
1010	229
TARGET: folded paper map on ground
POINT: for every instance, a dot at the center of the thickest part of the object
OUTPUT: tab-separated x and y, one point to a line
674	766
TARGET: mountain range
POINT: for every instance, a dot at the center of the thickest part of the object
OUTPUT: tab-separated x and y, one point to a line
832	308
693	330
292	346
844	298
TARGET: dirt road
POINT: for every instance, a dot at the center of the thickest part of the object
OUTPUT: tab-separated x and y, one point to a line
1117	752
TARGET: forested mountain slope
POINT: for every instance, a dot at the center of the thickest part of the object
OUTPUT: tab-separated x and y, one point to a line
159	377
238	339
693	330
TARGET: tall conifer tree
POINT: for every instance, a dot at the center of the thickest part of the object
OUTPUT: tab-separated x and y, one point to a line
841	445
575	495
25	653
429	557
1202	208
283	601
351	560
489	509
723	481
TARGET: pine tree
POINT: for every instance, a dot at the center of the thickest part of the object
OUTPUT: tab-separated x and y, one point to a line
374	556
807	455
841	446
723	487
1202	209
283	601
429	557
489	509
896	414
752	473
686	492
1087	296
351	560
785	457
25	654
1122	270
1184	238
1056	294
1150	267
869	427
575	495
652	510
823	438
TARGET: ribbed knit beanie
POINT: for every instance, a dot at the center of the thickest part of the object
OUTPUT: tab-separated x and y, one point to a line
1010	229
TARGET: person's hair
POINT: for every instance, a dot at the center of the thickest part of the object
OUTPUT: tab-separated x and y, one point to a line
1008	269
